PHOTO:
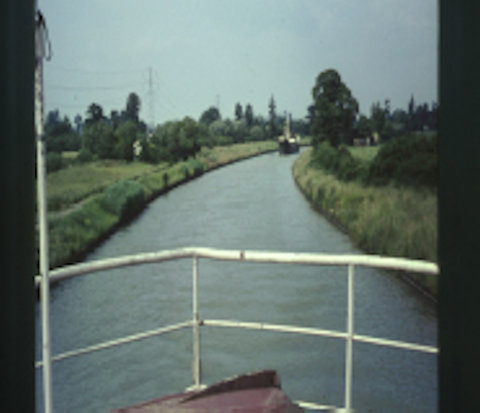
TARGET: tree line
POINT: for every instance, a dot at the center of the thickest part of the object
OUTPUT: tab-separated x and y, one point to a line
408	155
123	135
334	115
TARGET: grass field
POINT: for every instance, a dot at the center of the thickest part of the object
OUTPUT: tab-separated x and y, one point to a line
364	153
221	155
381	220
77	182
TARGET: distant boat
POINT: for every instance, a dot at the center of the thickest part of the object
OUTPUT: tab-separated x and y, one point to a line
288	142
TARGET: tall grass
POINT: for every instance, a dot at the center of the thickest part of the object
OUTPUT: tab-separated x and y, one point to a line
70	185
73	234
381	220
221	155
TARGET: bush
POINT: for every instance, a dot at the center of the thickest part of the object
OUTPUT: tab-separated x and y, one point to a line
339	162
85	156
409	160
196	167
72	235
124	198
54	162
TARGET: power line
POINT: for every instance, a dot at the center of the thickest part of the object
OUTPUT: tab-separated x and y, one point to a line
89	88
88	71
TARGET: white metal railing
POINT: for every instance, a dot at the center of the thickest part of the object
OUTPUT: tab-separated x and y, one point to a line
350	261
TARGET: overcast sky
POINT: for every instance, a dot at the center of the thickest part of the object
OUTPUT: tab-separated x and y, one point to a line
205	53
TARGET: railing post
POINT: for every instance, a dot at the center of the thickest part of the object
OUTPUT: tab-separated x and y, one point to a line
196	326
349	340
44	264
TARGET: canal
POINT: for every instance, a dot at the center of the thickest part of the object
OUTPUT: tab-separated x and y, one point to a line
256	205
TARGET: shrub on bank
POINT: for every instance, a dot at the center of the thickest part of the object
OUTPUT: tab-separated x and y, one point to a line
124	198
54	162
409	160
339	162
72	235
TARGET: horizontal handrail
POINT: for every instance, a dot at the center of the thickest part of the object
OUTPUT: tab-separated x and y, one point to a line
116	342
349	260
374	261
320	332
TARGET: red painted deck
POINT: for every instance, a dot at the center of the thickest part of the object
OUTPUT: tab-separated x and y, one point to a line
254	393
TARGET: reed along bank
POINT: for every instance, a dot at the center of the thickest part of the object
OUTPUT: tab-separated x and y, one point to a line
388	220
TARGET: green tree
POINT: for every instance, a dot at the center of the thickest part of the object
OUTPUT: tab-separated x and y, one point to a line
221	131
364	128
210	115
59	133
257	133
249	115
239	131
78	123
147	153
98	139
382	120
94	114
399	121
126	134
238	111
175	141
377	116
115	118
132	108
335	110
272	118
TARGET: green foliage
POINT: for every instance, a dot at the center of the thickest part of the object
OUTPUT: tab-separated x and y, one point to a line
364	127
147	153
176	141
80	181
258	133
272	115
98	139
94	114
59	134
73	234
221	133
338	161
85	156
381	220
54	162
249	115
125	135
132	107
91	199
409	160
196	167
238	111
334	110
124	198
210	115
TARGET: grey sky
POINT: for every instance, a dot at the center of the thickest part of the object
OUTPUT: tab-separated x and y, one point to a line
204	52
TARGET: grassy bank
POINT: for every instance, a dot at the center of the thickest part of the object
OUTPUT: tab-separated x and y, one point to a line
381	220
90	201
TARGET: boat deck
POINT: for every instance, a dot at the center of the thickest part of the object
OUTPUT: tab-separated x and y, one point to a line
256	392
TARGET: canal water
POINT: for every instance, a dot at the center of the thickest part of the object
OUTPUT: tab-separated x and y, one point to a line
256	205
